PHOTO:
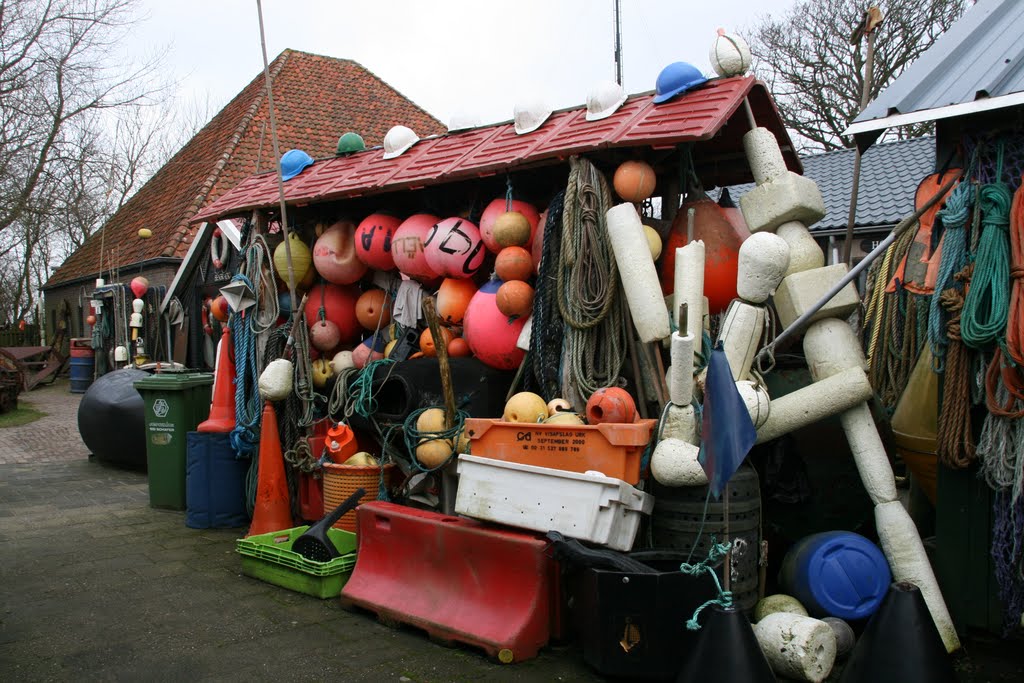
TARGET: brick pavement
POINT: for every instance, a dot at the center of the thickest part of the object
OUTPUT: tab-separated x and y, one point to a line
54	438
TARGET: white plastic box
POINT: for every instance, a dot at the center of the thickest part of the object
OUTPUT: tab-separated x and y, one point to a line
589	506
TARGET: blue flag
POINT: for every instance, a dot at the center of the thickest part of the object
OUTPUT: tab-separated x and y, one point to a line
727	434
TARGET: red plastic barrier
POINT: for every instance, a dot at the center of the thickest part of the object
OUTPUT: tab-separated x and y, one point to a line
457	579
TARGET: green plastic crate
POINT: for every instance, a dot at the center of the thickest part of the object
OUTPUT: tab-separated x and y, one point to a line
269	557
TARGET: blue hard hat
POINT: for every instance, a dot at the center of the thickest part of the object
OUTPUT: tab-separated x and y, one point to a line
293	162
676	78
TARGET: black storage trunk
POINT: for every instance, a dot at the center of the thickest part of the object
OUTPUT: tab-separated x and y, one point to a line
633	626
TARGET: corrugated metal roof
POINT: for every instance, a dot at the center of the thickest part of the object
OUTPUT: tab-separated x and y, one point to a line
699	115
980	56
889	176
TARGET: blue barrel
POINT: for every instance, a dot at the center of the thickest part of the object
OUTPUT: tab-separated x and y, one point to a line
214	483
836	574
81	373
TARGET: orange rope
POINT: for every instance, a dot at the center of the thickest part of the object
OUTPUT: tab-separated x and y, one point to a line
954	444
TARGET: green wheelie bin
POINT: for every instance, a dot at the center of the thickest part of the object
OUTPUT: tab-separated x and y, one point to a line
175	403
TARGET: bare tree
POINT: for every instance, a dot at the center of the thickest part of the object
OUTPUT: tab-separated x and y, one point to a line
815	73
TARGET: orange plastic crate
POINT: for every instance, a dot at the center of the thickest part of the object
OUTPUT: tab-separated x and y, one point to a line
613	449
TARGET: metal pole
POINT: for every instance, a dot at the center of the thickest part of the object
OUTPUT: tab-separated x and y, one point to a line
618	41
277	155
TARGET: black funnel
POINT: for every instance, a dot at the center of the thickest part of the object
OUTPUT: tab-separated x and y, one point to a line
726	651
900	643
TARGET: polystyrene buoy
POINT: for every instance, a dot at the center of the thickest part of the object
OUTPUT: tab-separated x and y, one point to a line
634	181
513	263
373	240
339	302
407	247
373	309
453	248
301	258
334	255
495	209
490	334
610	404
324	335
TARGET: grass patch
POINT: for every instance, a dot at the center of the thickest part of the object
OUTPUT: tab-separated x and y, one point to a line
22	415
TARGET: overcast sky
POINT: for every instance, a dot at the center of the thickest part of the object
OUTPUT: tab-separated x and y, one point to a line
479	56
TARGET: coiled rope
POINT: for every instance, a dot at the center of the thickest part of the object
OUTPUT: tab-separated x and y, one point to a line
588	292
988	300
548	328
954	257
716	554
954	445
414	437
248	403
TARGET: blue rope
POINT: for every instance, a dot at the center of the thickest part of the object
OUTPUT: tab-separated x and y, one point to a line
954	257
248	403
716	554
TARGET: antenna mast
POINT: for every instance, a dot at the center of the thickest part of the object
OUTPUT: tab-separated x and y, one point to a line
618	41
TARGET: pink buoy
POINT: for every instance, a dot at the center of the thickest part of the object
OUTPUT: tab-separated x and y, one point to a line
453	248
339	302
407	247
495	209
324	335
139	286
373	240
371	348
490	334
334	255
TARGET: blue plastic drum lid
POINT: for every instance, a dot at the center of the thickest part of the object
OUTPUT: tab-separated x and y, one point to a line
836	573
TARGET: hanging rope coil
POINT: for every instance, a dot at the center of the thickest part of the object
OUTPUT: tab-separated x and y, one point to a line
548	328
248	403
588	292
987	304
954	257
954	445
716	554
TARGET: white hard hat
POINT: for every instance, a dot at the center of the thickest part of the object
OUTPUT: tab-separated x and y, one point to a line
463	120
604	100
399	139
530	115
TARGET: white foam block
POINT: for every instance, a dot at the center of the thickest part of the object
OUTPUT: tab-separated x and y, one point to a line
688	281
804	252
799	292
755	397
763	155
907	560
869	453
524	335
680	386
740	335
674	463
763	260
831	346
790	197
814	402
637	272
798	648
680	423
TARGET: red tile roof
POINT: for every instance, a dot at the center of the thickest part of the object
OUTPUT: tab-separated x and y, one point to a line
316	99
709	114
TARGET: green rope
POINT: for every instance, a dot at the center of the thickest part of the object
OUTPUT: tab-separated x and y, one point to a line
414	437
716	554
987	305
360	391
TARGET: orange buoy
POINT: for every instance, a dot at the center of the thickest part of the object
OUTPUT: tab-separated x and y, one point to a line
513	263
610	404
219	308
458	348
373	309
452	299
515	298
634	181
537	249
427	345
722	239
494	210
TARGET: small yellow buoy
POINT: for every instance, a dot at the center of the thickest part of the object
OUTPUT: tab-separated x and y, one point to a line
145	233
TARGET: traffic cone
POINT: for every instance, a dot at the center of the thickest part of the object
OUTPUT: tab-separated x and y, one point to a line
222	412
273	511
900	643
726	651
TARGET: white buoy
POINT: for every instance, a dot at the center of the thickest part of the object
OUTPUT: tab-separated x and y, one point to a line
523	342
755	397
797	647
637	272
907	560
869	453
680	423
763	261
689	289
674	463
815	402
729	55
276	381
763	155
680	388
831	346
804	252
741	335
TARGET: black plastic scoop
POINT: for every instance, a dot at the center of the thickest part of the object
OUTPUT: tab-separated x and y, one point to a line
315	545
